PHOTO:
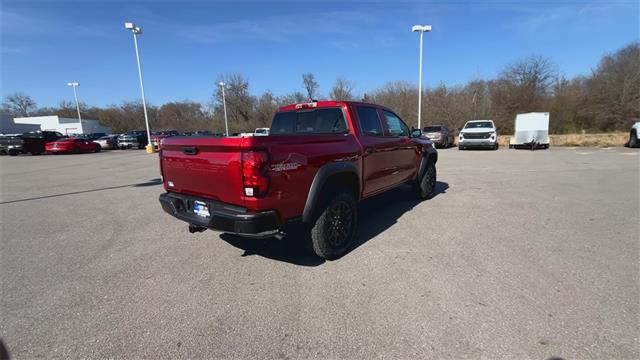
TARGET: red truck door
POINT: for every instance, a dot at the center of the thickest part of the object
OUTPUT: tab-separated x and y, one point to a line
378	151
404	154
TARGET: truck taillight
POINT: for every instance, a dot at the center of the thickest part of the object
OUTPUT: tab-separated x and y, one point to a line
254	173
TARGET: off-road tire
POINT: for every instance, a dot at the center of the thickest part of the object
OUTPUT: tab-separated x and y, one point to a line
426	185
335	227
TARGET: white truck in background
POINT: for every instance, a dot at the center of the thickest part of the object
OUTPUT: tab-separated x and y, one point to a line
531	131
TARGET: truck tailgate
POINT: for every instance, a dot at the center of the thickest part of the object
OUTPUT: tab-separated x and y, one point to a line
207	167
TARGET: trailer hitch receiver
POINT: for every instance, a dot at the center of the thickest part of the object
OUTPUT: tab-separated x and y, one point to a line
196	228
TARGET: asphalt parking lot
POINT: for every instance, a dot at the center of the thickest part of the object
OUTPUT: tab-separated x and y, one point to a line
520	255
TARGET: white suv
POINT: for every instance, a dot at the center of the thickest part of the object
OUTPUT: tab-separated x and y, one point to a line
478	133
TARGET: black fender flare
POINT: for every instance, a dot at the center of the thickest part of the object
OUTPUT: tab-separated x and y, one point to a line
320	179
426	155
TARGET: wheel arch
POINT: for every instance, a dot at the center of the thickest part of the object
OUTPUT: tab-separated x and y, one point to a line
430	155
332	175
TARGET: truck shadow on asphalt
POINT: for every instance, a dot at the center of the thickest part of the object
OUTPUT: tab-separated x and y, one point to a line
376	215
4	353
152	182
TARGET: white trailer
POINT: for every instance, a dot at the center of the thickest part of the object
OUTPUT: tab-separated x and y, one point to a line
531	130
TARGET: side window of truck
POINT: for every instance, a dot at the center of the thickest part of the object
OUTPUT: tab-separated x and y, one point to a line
395	126
369	121
284	123
321	121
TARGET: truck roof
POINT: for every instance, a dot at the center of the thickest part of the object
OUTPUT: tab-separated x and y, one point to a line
323	103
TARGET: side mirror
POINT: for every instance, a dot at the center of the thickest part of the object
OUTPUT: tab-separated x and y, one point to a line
459	129
416	133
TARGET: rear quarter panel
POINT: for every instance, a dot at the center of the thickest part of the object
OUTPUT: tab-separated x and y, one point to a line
294	162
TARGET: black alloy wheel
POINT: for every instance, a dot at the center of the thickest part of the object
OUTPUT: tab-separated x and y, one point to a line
339	224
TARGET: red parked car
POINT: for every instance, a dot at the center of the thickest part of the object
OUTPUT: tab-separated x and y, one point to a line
318	161
72	146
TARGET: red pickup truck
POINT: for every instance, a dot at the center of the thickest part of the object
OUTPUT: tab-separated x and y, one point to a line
319	160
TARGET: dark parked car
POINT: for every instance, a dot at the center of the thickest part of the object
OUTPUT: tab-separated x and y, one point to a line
134	139
10	144
90	136
207	133
28	143
439	134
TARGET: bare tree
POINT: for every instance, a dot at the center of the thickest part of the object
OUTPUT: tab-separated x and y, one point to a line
400	96
535	74
311	85
523	86
342	90
240	102
67	109
265	107
183	115
18	104
614	89
293	98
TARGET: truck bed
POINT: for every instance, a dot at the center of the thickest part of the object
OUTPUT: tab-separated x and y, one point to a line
211	167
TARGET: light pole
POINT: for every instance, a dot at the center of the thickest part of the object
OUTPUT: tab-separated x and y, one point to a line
421	29
224	106
136	31
74	85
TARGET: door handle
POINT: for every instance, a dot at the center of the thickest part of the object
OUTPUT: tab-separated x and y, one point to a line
190	150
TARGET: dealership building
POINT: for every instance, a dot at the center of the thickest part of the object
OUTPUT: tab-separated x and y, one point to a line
66	126
7	126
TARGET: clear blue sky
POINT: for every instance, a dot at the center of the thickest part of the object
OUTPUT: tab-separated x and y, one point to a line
186	46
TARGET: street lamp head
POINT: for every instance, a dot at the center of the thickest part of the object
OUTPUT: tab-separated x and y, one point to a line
73	84
221	83
131	26
421	28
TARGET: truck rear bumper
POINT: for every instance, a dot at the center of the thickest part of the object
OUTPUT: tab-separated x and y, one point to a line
223	217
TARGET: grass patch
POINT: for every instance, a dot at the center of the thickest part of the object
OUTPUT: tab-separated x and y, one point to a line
599	140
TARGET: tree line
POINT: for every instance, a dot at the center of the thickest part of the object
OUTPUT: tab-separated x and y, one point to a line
606	100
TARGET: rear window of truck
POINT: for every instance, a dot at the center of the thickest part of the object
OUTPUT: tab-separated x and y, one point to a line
315	121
